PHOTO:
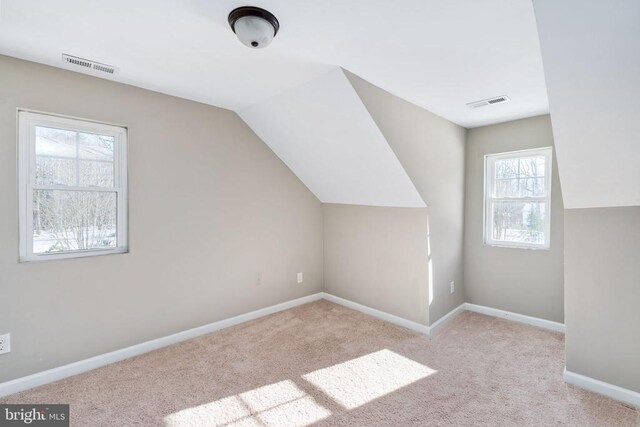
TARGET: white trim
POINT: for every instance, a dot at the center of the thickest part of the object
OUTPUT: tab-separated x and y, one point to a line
55	374
613	391
521	318
489	175
391	318
27	122
441	322
61	372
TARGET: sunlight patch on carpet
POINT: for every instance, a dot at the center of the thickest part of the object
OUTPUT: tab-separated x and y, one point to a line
359	381
278	404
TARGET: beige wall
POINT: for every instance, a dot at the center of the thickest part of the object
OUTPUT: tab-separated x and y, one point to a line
377	256
431	150
523	281
602	294
210	206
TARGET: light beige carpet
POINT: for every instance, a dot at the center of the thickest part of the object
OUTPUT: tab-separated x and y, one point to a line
322	363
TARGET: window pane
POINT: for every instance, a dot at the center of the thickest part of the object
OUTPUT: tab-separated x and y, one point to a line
54	171
506	188
520	177
531	167
55	142
96	147
96	174
506	168
73	221
532	187
519	222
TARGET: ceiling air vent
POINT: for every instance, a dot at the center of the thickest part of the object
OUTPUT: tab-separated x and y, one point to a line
88	64
490	101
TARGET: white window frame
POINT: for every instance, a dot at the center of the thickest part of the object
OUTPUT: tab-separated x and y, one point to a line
27	122
489	174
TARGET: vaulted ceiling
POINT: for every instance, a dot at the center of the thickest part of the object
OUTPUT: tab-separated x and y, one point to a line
326	136
437	54
591	52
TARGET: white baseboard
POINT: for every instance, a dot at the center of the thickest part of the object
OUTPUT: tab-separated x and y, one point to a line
534	321
600	387
439	324
55	374
391	318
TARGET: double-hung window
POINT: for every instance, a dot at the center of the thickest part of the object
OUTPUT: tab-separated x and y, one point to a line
72	187
518	199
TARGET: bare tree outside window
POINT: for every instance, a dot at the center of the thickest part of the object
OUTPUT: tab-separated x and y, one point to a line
73	220
517	198
73	187
76	219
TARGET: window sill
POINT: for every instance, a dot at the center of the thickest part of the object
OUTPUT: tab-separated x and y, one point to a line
72	255
507	246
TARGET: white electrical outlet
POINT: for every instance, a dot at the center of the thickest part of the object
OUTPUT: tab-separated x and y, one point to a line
453	286
5	343
300	278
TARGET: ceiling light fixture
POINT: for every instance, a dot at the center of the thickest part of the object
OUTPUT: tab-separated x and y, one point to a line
254	27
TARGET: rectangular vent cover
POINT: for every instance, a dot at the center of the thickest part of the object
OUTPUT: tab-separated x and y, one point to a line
490	101
87	63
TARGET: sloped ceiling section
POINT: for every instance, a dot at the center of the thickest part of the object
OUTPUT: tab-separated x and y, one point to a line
591	60
438	54
322	131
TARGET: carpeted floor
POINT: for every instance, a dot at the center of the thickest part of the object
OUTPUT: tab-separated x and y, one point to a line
323	363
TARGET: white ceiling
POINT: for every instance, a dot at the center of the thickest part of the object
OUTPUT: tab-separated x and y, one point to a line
439	54
323	132
591	52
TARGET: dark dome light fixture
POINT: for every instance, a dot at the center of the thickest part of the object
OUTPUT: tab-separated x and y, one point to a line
254	27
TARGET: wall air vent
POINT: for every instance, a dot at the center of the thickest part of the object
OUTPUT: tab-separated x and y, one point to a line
88	64
490	101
